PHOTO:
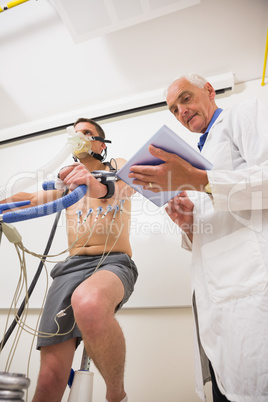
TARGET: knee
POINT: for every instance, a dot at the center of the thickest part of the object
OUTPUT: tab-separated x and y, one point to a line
90	309
52	377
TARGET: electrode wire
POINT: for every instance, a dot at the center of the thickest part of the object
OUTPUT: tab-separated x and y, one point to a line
22	282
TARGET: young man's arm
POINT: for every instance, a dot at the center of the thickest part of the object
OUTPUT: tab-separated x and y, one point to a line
37	198
77	174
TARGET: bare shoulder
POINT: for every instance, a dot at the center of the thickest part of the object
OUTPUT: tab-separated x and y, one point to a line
119	162
125	190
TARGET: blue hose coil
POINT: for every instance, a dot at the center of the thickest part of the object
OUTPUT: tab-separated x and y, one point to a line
46	209
48	185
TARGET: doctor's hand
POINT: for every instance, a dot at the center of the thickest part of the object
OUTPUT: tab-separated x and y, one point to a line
76	175
175	174
180	210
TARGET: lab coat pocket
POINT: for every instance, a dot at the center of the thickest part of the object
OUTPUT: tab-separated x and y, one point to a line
234	267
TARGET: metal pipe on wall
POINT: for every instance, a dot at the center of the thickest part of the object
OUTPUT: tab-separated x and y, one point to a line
265	60
11	4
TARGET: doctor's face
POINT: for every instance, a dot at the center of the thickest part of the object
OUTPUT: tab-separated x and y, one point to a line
193	107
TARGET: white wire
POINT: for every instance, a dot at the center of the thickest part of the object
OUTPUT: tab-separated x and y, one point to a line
16	296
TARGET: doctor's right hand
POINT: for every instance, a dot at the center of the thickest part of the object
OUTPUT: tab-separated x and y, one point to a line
180	210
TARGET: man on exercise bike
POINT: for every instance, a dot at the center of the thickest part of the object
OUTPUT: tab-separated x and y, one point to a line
95	280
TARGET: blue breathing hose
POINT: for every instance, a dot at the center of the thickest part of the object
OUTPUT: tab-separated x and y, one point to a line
45	209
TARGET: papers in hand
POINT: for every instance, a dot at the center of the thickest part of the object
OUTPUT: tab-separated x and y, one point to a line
167	140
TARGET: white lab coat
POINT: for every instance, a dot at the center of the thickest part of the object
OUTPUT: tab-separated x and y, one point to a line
230	256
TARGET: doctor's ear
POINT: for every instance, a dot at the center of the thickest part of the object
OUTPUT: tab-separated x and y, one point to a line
211	91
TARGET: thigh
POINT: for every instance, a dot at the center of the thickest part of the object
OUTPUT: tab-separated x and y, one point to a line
104	287
125	269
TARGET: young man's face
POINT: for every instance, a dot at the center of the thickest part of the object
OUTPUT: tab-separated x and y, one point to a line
193	107
90	130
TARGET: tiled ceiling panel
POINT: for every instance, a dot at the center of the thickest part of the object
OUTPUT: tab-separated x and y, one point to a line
86	19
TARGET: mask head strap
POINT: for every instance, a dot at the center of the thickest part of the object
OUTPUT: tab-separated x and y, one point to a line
98	156
100	139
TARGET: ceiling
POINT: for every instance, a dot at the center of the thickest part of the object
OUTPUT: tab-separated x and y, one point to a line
54	69
91	18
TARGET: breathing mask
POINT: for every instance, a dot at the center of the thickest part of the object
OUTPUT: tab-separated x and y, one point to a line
83	147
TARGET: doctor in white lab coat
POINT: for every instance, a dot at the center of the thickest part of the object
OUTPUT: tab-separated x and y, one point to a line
225	224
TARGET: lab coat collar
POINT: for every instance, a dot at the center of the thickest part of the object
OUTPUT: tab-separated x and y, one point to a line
203	137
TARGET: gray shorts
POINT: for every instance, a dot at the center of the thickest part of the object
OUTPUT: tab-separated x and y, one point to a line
67	276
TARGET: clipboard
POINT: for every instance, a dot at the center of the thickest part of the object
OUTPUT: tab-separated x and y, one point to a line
168	141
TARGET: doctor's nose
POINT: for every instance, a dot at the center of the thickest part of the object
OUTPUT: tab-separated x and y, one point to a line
183	110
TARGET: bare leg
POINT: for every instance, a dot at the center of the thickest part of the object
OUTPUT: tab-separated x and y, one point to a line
94	303
56	361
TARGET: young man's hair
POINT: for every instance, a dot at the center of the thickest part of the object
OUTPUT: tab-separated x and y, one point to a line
98	127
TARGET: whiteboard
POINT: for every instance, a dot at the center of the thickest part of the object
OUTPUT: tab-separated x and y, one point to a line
164	267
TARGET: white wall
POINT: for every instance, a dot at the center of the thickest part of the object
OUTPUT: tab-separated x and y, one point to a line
159	363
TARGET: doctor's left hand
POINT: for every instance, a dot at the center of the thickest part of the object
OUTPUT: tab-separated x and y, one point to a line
180	210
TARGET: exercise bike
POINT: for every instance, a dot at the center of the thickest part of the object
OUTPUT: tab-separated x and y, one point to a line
12	385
